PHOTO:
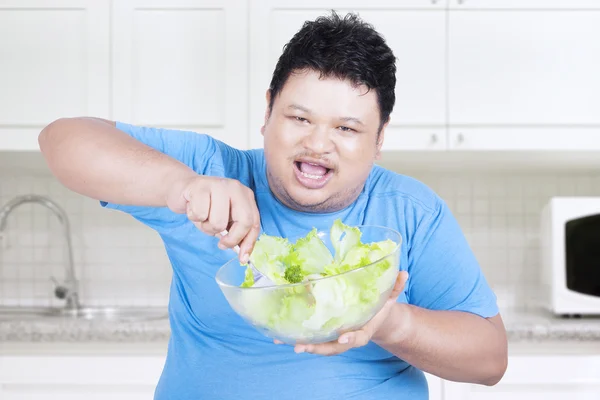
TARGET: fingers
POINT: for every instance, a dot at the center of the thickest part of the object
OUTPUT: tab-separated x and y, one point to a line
247	244
208	212
249	241
242	222
323	349
216	205
218	218
246	221
198	207
344	343
355	339
399	284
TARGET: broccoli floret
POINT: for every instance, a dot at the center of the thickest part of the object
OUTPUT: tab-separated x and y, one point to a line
293	274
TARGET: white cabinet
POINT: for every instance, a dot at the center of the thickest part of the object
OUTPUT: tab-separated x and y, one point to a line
523	75
79	377
533	138
523	4
414	29
541	377
91	377
471	74
182	64
540	374
179	64
54	63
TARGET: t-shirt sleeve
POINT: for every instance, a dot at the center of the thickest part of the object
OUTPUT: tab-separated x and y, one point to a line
443	271
197	151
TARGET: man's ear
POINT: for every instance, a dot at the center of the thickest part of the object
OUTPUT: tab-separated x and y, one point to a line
380	138
267	111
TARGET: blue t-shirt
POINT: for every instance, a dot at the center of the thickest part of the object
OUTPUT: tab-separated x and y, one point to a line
213	354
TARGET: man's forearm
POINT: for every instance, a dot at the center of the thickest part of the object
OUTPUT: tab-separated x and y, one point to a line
92	157
453	345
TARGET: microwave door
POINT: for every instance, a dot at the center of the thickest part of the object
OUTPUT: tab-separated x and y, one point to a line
582	236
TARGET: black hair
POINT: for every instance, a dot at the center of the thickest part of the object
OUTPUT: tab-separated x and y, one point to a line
345	48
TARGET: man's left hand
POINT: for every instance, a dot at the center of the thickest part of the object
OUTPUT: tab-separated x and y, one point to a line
362	336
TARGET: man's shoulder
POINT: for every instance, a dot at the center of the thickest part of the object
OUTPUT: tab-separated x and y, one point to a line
204	153
386	184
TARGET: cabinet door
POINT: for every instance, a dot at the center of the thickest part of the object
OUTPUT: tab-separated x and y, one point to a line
79	377
524	78
506	138
414	29
75	391
182	64
537	378
523	4
54	63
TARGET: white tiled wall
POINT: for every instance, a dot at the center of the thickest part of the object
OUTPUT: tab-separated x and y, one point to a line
121	262
499	213
118	261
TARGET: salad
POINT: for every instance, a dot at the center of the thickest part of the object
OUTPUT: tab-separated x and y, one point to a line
326	297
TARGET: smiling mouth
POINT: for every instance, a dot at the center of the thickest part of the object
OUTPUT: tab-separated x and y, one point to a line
312	175
310	170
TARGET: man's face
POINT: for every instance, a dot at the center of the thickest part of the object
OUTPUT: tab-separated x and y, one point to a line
320	142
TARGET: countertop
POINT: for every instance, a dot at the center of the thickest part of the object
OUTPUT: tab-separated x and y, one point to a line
47	329
522	326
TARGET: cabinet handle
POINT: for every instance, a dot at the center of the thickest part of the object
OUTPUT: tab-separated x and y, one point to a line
434	1
460	138
461	1
434	138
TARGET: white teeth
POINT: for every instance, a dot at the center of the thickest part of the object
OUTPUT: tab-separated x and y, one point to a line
311	176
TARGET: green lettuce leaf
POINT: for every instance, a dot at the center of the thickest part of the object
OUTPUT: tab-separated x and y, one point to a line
268	255
343	238
311	253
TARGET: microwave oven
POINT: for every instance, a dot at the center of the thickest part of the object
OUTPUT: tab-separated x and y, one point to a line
570	255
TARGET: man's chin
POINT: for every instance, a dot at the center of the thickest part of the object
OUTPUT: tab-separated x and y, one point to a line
310	203
308	199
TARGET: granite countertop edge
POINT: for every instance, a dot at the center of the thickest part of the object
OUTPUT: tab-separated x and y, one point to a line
84	331
519	329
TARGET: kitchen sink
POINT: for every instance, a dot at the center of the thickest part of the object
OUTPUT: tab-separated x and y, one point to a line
84	313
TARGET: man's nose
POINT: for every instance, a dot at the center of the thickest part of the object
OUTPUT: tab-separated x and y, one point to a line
319	140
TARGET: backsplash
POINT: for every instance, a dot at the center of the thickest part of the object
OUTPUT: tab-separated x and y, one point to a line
120	262
499	214
117	260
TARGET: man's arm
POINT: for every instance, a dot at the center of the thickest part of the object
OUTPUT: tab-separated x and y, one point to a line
152	168
453	345
92	157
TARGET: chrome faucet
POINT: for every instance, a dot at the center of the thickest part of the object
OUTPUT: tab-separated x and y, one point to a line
69	290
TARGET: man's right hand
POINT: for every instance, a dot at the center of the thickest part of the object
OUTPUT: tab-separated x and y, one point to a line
218	204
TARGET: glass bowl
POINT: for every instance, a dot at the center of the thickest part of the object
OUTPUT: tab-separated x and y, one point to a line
319	310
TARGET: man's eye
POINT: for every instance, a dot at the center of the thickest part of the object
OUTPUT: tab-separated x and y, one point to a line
300	119
346	129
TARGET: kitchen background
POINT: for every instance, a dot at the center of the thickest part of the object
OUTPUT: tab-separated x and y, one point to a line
121	262
498	110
